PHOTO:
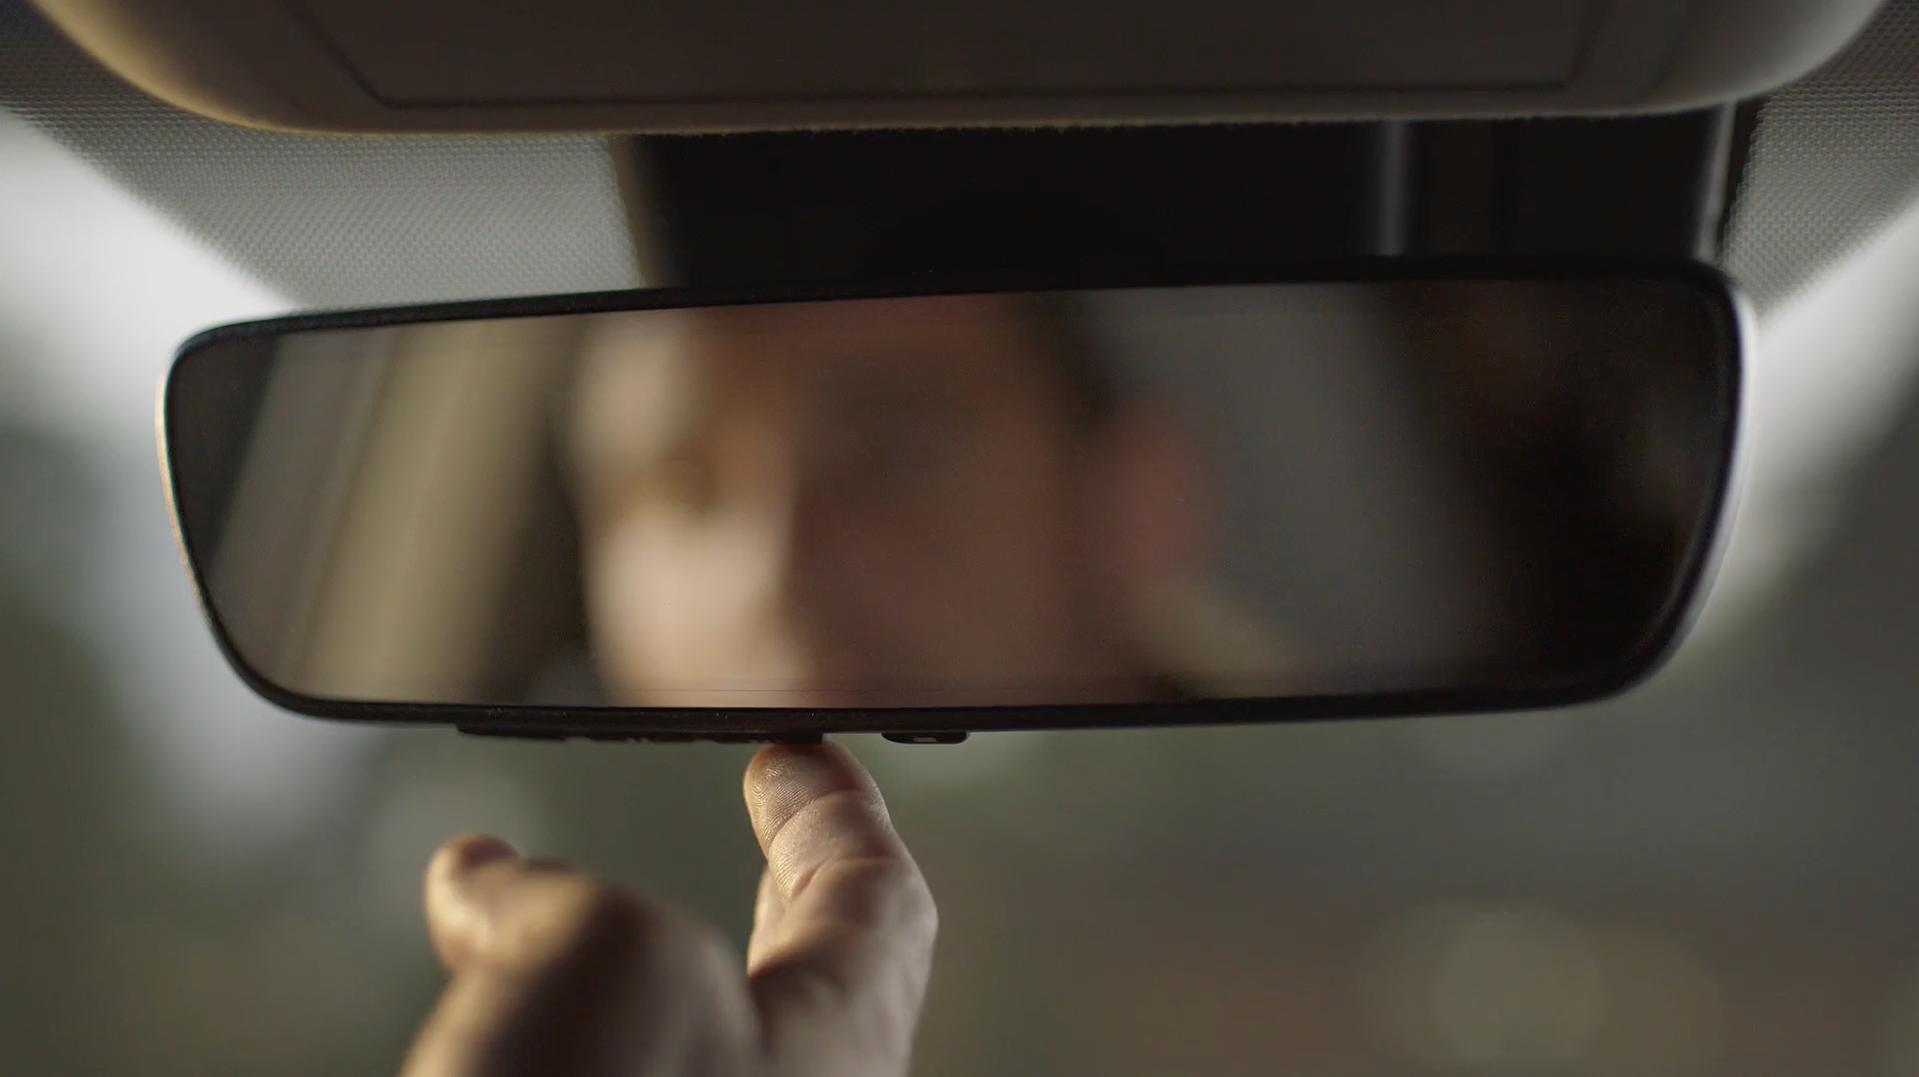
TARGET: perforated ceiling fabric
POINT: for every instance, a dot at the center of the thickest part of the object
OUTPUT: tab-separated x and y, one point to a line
1834	160
349	221
336	221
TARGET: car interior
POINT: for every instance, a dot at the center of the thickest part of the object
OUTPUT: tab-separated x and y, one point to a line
1608	771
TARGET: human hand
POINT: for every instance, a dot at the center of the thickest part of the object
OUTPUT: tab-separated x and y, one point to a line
552	972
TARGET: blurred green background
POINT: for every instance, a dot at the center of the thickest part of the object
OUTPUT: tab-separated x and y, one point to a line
1714	874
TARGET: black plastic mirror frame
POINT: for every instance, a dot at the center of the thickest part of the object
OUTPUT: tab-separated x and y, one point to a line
1734	329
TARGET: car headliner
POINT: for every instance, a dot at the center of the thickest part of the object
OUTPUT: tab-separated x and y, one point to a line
339	220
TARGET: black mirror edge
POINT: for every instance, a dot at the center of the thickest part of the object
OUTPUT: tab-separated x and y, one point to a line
951	724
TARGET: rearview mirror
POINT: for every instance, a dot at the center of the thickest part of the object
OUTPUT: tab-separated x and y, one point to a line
1385	488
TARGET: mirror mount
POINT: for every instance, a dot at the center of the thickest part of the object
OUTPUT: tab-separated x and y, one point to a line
799	208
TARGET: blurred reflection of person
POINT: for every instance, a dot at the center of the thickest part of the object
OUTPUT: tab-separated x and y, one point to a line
935	501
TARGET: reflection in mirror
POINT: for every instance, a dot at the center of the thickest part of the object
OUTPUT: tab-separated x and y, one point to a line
1125	495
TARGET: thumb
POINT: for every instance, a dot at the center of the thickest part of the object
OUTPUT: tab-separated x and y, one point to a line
555	972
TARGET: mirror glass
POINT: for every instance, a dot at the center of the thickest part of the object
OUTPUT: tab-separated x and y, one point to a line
988	499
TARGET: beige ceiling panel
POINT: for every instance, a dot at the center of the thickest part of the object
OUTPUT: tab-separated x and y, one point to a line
682	65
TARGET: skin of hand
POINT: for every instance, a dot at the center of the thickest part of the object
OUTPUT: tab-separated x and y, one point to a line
553	972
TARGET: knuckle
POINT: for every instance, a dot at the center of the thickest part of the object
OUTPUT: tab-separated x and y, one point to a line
583	931
571	918
882	890
913	899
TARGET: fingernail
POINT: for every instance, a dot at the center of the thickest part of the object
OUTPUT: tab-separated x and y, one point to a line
471	851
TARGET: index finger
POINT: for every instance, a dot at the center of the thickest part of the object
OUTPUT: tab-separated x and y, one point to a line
842	969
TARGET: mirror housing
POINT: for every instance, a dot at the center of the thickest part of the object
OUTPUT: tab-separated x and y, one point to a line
1392	487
